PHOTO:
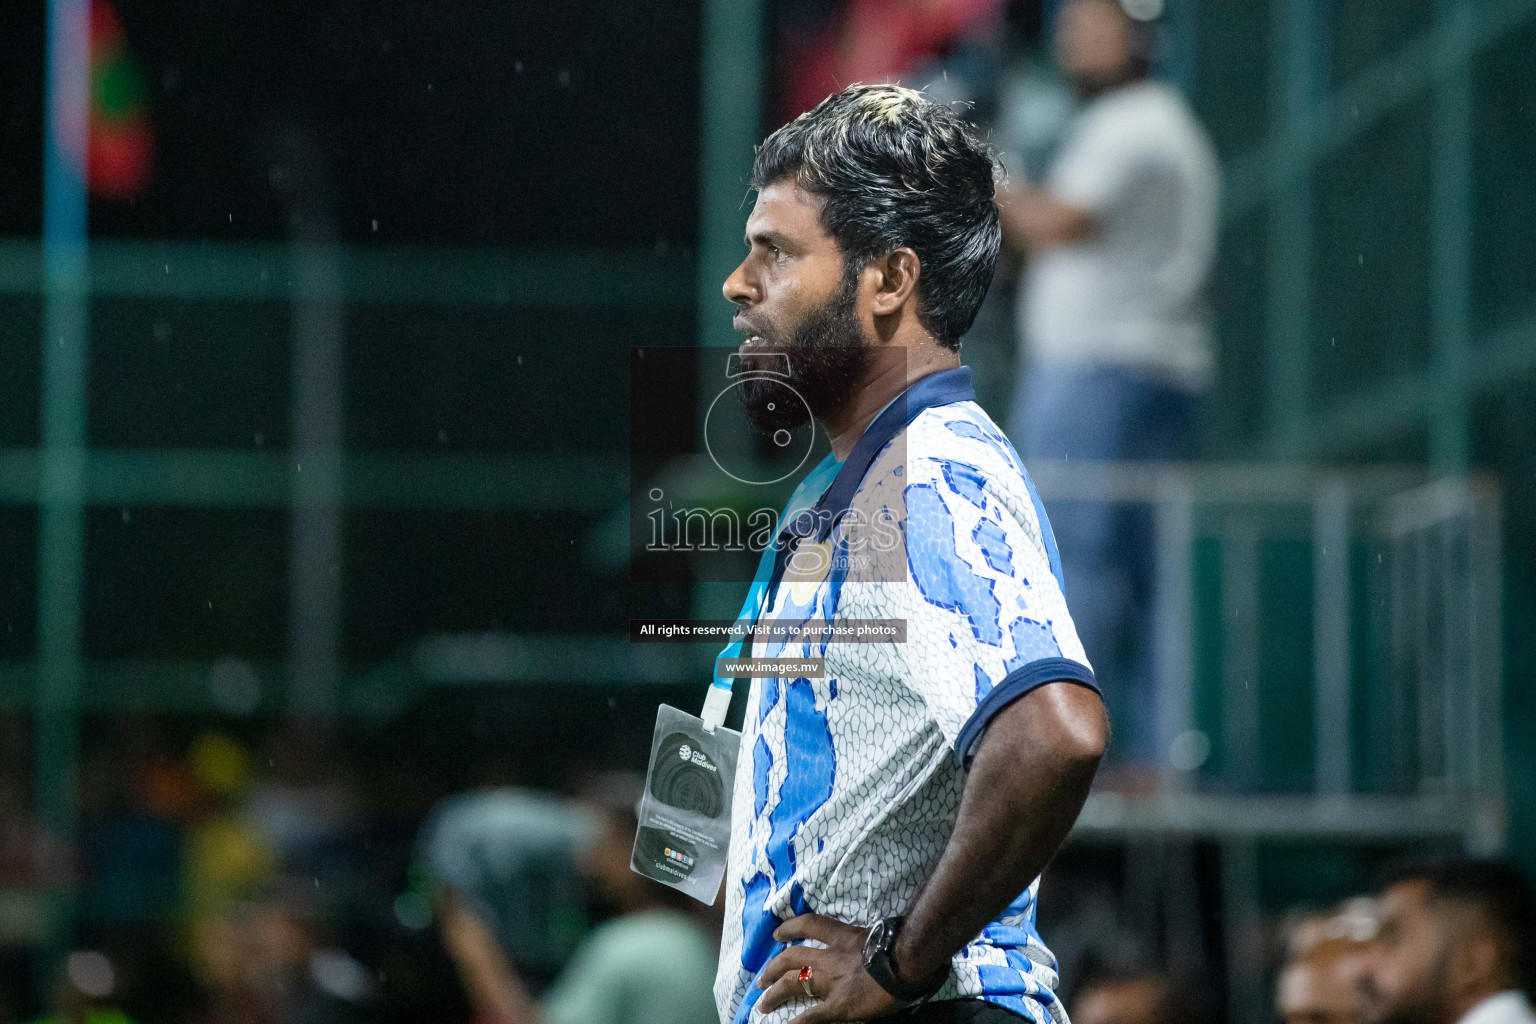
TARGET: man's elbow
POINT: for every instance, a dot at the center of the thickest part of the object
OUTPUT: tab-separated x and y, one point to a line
1084	735
1062	721
1062	223
1070	225
1033	219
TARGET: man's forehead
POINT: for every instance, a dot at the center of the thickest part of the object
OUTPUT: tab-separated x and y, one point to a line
1406	897
785	207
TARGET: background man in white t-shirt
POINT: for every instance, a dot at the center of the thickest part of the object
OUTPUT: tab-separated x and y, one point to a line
1116	335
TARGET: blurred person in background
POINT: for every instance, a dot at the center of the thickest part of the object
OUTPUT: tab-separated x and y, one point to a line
1320	980
1454	944
263	961
650	963
217	952
305	804
511	855
1130	997
299	979
1140	995
1116	340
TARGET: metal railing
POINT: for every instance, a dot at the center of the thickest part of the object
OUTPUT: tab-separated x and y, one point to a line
1422	560
1404	591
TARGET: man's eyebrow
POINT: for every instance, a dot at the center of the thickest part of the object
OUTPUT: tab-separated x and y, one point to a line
765	238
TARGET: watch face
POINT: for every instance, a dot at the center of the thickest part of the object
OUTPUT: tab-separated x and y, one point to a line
874	940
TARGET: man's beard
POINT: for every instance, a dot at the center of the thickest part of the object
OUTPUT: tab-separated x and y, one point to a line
1423	1006
827	359
1414	1013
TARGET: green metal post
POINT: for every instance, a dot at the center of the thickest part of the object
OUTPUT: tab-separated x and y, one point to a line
1450	241
1288	302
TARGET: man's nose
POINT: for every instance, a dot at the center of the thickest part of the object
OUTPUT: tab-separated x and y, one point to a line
1365	979
738	288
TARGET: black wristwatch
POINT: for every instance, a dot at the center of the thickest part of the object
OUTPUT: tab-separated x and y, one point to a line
879	961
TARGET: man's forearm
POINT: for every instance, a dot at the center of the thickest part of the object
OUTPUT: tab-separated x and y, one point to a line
1027	782
1033	219
496	993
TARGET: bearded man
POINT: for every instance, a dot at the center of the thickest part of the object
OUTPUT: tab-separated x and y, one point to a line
892	815
1453	945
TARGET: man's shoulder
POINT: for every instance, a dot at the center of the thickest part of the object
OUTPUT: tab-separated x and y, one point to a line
949	454
613	977
958	446
962	435
1146	98
1149	115
645	933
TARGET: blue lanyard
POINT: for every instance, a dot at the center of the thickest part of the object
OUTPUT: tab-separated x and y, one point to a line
943	388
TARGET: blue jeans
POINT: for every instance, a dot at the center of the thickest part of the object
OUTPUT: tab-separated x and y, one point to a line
1107	553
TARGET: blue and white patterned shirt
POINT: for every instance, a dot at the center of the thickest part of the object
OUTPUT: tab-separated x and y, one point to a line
849	785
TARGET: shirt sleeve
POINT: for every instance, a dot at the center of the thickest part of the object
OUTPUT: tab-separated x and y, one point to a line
986	618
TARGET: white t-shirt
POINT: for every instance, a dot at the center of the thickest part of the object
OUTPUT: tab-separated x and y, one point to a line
849	785
1504	1008
1132	294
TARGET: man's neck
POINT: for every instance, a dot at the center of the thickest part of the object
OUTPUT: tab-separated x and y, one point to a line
887	378
1089	90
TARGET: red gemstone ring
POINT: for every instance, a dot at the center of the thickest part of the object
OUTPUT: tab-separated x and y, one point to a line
805	981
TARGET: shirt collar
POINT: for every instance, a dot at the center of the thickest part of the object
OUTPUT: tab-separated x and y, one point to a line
943	388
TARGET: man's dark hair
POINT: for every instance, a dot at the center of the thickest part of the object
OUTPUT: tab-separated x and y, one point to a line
1497	891
895	169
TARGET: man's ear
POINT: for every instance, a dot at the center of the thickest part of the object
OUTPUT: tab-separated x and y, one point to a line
1480	954
1470	957
897	281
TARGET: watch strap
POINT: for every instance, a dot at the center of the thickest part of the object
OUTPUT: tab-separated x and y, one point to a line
881	965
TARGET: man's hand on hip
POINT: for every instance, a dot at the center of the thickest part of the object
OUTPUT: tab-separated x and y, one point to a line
842	987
